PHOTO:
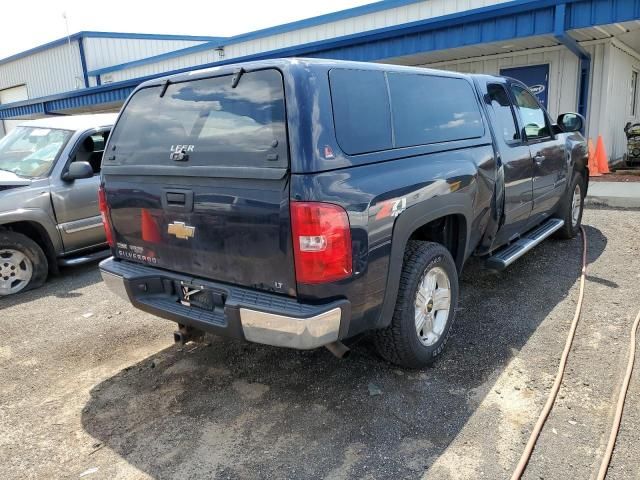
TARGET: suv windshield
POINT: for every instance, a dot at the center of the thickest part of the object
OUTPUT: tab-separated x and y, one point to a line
208	122
30	151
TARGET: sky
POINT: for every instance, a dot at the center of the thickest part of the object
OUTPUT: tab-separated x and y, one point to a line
29	23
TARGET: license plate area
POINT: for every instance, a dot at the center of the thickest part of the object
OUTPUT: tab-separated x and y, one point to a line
198	296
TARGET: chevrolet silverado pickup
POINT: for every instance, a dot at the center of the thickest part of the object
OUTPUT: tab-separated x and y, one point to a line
299	203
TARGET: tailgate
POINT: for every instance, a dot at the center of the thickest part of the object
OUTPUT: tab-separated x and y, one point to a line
196	178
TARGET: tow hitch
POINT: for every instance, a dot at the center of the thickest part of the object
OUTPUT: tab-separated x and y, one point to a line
186	334
339	349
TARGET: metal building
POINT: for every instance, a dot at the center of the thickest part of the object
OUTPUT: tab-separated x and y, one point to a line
577	55
61	68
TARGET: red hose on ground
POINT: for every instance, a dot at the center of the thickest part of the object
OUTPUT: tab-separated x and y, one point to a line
526	455
621	398
533	438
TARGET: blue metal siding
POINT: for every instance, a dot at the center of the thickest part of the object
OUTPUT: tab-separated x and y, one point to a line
588	13
83	61
56	103
147	36
22	111
483	31
109	96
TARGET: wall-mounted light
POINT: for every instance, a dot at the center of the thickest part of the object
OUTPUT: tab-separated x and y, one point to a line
220	51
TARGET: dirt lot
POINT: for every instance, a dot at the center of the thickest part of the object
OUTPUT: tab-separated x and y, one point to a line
90	387
619	176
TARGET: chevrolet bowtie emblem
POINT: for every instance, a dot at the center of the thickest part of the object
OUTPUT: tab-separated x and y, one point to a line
181	230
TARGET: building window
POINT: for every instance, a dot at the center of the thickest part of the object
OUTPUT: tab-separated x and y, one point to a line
634	92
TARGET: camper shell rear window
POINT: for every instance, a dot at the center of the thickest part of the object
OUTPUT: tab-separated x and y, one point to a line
205	122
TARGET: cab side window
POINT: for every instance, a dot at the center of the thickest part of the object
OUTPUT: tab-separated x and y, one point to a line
503	109
533	117
91	149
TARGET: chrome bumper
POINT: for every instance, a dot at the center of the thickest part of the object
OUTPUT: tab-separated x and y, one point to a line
283	331
115	283
277	329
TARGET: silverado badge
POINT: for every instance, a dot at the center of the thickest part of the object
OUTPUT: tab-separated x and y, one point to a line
181	230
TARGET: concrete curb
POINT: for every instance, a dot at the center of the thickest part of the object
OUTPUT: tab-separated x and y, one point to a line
611	202
613	195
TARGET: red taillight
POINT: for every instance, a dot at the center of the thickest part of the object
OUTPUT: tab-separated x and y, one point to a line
106	217
321	242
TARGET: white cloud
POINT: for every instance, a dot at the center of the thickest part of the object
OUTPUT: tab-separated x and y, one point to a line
453	123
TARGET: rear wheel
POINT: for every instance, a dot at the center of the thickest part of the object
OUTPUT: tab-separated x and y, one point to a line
425	307
23	264
572	207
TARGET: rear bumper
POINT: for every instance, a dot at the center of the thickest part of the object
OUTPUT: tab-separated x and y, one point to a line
252	315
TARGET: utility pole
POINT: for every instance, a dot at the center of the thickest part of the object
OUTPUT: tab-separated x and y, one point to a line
76	80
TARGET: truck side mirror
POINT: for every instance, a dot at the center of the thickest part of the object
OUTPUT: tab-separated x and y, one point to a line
571	122
78	170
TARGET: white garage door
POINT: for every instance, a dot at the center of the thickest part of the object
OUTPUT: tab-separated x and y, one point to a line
10	95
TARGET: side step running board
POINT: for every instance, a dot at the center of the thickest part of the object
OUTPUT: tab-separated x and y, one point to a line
86	258
509	254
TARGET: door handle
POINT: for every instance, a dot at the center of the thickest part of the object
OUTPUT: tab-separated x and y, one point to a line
539	159
177	200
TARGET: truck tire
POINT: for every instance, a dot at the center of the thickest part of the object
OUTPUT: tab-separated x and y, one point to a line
571	208
425	307
23	264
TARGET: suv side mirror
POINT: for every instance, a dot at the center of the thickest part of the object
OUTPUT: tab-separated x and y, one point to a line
78	170
571	122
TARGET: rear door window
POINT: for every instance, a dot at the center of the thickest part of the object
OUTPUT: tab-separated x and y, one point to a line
431	109
503	109
361	111
205	122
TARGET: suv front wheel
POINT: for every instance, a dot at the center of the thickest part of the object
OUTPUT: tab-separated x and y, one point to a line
23	264
425	307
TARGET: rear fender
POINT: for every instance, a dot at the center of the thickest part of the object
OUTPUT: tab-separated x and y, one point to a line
410	221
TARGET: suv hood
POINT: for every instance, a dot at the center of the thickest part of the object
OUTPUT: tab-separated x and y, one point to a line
10	179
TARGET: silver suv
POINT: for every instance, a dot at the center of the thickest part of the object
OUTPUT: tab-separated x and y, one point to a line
49	216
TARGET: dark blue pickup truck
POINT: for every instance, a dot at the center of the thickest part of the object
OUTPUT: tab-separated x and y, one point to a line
300	202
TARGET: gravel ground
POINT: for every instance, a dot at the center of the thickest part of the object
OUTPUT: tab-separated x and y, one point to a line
619	176
91	387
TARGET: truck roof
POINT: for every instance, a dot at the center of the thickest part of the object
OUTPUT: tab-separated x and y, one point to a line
73	122
298	64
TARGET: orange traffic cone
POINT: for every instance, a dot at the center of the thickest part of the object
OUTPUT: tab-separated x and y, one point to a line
593	163
150	231
601	156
